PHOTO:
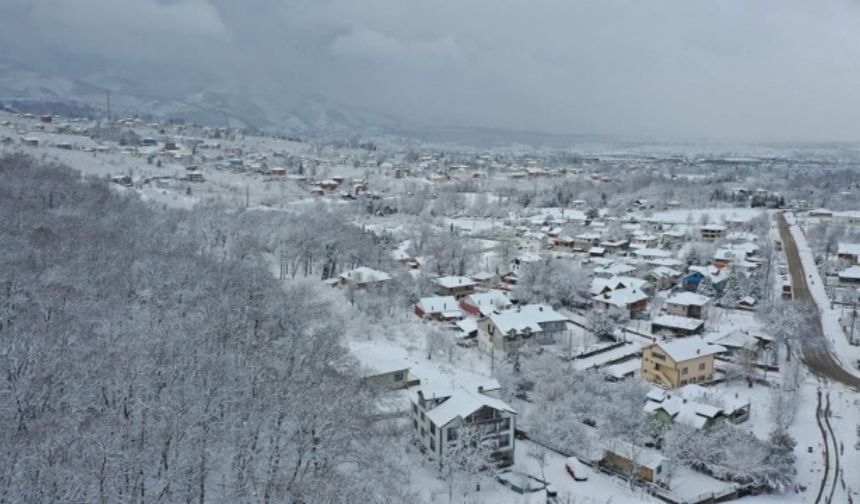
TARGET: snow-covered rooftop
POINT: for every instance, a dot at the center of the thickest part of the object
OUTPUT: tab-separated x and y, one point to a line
489	301
851	274
363	274
438	304
527	316
688	299
848	249
676	322
680	350
460	400
621	298
452	282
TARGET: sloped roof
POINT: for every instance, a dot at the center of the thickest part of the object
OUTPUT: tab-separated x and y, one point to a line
680	350
616	268
621	298
599	284
450	282
489	301
438	304
688	299
528	316
676	322
852	273
461	401
363	274
848	249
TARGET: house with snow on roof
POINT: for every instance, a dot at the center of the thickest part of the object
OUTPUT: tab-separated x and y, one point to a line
664	277
672	237
629	299
485	303
712	233
508	330
676	325
363	277
850	275
441	308
647	463
696	406
644	240
614	269
738	254
849	252
696	274
688	304
380	371
457	286
441	413
601	285
614	246
671	364
584	241
650	254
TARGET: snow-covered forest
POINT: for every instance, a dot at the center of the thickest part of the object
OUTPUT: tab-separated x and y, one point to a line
142	364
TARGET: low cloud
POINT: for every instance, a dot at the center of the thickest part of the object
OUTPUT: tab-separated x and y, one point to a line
759	70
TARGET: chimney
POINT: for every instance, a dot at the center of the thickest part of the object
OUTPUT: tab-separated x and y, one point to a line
698	351
480	388
684	400
541	308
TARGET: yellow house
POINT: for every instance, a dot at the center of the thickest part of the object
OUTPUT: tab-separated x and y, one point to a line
676	363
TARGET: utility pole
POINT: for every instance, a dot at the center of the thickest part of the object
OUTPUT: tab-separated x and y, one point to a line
108	106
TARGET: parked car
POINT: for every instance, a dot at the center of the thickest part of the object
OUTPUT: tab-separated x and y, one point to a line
576	469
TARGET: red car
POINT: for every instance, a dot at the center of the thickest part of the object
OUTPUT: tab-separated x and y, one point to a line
576	469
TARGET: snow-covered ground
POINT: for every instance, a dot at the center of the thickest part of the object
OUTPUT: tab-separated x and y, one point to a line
843	351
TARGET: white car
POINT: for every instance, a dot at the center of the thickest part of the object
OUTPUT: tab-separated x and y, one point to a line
576	469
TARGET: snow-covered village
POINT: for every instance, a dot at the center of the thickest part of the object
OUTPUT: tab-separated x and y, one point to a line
211	300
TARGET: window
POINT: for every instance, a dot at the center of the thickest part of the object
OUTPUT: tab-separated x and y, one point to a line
432	429
658	356
432	444
504	442
659	469
422	416
414	409
415	424
398	377
452	434
506	424
685	370
423	432
702	366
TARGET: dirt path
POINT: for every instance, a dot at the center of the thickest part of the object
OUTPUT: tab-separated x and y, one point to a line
815	353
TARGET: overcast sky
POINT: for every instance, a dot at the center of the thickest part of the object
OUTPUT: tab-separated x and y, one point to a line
721	69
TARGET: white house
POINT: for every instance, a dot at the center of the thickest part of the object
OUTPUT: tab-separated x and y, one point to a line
441	411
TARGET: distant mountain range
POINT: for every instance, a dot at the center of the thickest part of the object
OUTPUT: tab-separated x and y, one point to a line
27	89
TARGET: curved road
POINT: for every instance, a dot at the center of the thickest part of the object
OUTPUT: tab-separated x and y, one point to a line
815	352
